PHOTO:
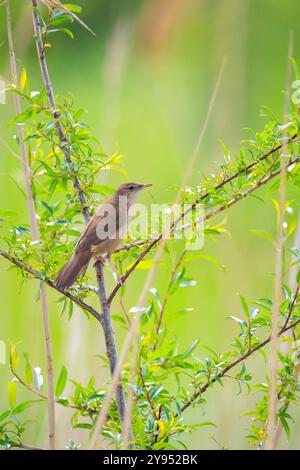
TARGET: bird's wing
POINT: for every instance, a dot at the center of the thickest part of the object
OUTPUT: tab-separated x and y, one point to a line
89	237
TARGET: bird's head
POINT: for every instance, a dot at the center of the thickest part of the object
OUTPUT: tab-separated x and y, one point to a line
131	189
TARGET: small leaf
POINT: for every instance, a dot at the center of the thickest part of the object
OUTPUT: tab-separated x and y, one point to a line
62	381
23	406
23	79
245	306
12	393
14	357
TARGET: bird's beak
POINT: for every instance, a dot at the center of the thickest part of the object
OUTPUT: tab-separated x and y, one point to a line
143	186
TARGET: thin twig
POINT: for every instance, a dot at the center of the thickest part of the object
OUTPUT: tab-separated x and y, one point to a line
292	305
50	283
149	400
166	297
22	445
106	323
230	366
61	6
44	397
35	236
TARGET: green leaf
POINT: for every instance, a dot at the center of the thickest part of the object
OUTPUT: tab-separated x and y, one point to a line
23	79
28	370
156	296
83	426
14	357
189	351
72	7
295	252
264	234
285	426
238	320
23	406
62	381
245	306
4	415
27	114
12	393
191	256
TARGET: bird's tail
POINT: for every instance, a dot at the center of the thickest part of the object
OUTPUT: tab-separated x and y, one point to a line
77	264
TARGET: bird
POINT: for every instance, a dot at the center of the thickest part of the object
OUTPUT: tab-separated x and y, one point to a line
102	235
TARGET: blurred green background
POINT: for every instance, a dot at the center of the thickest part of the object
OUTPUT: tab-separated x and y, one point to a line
146	81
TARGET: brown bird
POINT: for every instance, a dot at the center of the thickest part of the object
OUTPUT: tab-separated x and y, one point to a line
103	234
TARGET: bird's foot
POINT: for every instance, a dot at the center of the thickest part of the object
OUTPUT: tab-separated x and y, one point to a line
122	280
99	259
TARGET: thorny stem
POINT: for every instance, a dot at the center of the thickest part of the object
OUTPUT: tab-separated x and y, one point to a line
35	236
106	323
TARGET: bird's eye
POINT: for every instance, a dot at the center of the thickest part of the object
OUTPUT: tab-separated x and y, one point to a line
131	187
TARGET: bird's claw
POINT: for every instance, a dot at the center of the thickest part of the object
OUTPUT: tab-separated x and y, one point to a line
99	259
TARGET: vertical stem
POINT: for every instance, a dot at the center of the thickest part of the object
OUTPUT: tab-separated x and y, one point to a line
35	236
272	411
111	349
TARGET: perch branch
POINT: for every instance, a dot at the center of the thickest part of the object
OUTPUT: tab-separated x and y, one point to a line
224	182
35	234
50	283
111	349
233	201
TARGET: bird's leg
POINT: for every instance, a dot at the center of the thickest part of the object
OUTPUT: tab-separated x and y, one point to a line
99	259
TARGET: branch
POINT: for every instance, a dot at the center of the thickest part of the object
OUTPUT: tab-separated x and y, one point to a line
35	235
49	282
227	205
111	349
235	363
166	297
60	6
224	182
21	445
44	397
